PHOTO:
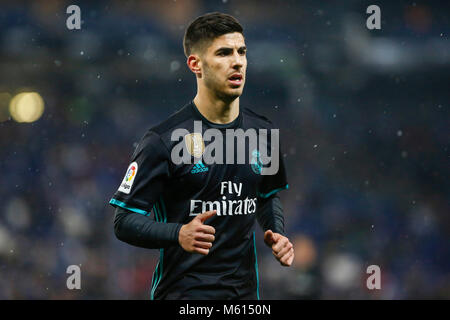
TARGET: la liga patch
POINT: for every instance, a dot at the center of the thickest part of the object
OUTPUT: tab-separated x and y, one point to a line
128	180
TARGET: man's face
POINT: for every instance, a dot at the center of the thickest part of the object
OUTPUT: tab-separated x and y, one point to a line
223	64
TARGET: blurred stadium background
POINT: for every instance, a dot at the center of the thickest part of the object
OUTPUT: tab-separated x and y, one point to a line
365	127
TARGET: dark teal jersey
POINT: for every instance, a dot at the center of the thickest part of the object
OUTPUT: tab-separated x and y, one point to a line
157	185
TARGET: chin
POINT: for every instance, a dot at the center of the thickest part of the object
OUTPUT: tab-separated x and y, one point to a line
231	96
236	92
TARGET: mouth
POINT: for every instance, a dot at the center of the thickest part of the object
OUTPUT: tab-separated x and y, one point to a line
236	79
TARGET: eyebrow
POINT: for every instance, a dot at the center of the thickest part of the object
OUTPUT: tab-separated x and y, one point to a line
230	49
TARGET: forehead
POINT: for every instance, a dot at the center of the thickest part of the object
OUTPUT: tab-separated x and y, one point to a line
229	40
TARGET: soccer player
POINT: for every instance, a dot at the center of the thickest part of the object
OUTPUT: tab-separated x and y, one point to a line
204	213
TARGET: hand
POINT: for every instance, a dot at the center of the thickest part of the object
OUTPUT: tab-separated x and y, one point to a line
282	248
196	237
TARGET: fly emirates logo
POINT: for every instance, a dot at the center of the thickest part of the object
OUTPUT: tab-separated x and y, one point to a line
225	207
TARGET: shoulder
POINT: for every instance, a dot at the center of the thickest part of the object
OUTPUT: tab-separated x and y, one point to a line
156	135
152	140
257	118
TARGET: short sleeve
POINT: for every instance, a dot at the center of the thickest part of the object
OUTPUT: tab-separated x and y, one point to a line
145	177
271	184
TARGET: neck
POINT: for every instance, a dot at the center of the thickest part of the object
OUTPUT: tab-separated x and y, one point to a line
215	109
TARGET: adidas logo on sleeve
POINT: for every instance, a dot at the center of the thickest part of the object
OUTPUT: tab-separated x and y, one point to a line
199	167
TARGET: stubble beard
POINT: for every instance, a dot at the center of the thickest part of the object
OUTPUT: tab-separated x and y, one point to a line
215	85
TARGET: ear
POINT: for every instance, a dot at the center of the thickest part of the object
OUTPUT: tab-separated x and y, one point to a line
194	64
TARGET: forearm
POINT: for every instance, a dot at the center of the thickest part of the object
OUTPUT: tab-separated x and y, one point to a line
141	231
270	214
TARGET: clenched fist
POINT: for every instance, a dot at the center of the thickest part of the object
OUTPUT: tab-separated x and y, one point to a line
197	237
282	248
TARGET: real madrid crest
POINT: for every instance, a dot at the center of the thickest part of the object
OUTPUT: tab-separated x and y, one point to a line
194	144
256	162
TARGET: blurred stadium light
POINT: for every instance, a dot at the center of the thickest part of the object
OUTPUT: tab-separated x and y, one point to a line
26	107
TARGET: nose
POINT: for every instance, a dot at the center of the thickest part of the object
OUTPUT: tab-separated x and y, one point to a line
238	61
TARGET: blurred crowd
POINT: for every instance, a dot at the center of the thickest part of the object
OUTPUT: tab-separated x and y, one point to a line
364	125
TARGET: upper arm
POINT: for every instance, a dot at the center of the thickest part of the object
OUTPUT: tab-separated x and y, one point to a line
145	177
